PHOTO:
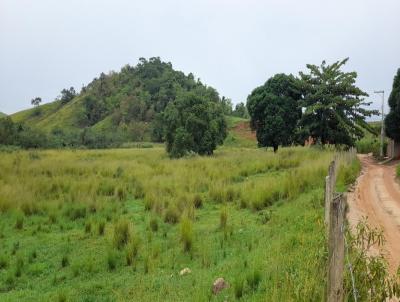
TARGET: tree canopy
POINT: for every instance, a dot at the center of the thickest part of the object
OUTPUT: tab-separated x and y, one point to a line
36	101
335	110
392	120
274	111
194	122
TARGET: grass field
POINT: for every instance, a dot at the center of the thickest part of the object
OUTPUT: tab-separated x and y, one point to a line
119	225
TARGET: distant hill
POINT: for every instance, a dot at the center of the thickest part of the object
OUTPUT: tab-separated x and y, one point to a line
2	114
118	106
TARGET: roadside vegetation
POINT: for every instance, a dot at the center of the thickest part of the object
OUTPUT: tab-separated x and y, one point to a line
121	224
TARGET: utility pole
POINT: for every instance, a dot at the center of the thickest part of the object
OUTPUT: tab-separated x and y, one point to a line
382	92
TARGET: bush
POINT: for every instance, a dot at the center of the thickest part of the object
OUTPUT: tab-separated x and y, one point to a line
186	234
122	233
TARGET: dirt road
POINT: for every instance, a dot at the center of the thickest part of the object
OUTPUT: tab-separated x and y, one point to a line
377	196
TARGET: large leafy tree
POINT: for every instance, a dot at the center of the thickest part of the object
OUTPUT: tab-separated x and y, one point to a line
335	109
274	111
194	122
392	120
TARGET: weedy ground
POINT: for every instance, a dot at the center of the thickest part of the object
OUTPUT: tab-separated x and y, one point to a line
119	225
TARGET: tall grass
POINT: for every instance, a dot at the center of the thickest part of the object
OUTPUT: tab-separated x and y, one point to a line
178	209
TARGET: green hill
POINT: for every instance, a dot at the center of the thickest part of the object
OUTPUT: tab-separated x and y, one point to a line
115	107
2	114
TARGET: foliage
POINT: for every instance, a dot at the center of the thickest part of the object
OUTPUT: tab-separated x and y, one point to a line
194	122
79	186
36	101
117	107
274	111
241	111
67	95
392	120
335	110
372	280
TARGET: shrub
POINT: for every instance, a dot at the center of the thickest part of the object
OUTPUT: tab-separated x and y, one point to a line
186	234
122	233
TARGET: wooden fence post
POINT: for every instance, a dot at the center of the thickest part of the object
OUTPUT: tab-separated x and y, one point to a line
330	183
336	249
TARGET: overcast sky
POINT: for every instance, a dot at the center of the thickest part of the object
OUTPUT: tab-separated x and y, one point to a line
232	45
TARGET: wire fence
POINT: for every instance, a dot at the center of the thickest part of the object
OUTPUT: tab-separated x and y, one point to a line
338	248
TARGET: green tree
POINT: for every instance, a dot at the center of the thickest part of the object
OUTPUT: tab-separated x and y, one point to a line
193	122
36	101
240	111
392	120
226	105
67	95
274	111
335	110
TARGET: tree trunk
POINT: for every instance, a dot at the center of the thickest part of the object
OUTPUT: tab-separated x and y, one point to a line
275	148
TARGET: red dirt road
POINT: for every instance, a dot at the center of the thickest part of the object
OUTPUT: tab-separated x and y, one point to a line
377	196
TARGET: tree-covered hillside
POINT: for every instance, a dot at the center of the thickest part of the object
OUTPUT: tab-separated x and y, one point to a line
115	107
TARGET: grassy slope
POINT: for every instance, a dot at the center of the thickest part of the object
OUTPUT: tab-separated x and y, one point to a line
238	133
284	242
2	114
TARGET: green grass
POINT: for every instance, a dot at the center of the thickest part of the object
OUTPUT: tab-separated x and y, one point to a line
252	217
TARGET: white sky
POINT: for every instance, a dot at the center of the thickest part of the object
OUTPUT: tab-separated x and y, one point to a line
232	45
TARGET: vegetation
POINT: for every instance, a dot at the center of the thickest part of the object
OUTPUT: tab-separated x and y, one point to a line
392	120
275	111
371	279
251	216
335	110
117	107
194	123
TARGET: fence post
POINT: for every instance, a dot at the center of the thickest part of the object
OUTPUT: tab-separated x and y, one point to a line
336	249
330	182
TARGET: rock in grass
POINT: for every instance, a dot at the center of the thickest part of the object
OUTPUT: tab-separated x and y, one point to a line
185	271
219	285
